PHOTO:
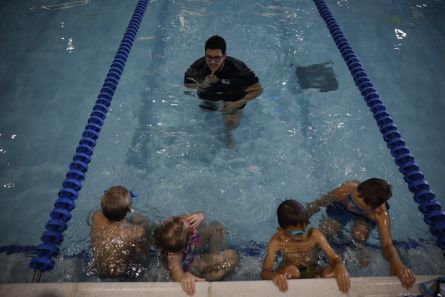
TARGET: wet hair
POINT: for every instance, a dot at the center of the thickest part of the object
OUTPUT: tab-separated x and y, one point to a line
115	203
216	42
171	236
375	191
292	213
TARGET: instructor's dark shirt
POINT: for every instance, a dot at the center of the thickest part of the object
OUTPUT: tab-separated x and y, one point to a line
234	78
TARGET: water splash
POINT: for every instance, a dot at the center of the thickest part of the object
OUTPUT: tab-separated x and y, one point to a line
65	5
70	47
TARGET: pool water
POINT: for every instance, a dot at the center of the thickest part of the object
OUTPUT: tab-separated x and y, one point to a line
291	142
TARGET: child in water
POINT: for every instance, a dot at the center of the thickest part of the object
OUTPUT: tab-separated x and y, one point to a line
366	205
297	242
119	245
182	240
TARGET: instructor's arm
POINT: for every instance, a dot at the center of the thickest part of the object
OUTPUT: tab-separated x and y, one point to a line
251	93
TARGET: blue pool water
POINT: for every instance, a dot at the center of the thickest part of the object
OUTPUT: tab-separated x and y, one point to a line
291	142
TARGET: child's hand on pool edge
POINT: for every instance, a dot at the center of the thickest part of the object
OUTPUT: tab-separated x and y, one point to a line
188	283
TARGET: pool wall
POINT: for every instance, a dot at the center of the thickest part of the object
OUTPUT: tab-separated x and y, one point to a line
361	286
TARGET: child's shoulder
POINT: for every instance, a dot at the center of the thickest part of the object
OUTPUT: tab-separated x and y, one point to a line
96	213
135	232
126	231
314	231
277	237
352	184
347	187
98	218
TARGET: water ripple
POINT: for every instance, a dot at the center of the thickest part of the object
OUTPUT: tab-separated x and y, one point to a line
65	5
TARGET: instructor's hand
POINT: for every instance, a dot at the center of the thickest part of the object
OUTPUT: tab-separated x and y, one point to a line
209	80
230	106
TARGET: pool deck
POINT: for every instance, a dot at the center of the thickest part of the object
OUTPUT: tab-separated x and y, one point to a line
361	286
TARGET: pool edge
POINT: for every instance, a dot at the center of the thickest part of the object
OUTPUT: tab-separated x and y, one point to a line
361	286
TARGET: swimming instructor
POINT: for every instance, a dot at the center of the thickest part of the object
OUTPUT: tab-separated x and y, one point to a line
218	77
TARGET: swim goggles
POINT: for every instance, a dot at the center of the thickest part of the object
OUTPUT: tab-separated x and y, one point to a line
299	232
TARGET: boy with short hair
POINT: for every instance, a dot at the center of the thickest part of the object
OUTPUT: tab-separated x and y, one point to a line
118	245
297	242
366	204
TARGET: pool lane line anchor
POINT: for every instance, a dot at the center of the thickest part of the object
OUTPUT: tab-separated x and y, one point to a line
423	195
65	203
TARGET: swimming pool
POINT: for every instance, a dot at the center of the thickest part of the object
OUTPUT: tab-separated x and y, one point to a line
291	142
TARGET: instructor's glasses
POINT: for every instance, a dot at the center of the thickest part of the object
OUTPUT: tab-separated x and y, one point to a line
216	59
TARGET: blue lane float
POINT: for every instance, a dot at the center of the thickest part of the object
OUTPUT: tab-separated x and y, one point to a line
423	195
65	203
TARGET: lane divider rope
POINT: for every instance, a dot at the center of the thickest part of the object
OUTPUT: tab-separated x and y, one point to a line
65	203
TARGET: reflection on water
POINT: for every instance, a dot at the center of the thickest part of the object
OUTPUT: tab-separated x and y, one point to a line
64	5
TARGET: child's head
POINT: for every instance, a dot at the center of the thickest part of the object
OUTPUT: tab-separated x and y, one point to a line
374	191
115	203
291	213
172	235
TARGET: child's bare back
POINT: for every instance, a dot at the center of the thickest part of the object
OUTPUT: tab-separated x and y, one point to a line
118	245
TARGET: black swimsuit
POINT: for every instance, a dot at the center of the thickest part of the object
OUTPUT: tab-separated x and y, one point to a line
234	78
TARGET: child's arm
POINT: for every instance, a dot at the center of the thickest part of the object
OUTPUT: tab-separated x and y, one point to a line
340	272
178	275
139	241
279	279
389	252
98	222
335	195
137	219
